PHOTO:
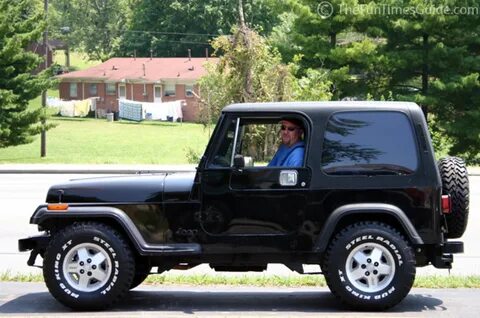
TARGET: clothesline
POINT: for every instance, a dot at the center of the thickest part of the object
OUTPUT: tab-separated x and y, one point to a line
128	109
138	111
72	108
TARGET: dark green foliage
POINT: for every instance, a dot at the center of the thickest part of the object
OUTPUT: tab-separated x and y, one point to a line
170	28
21	24
92	26
429	58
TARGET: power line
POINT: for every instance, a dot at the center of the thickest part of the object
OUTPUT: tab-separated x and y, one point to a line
136	43
172	33
185	42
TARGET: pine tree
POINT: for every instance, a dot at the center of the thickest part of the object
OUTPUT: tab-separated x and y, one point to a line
21	24
424	55
434	58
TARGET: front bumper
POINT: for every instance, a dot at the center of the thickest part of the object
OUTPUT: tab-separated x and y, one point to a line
35	244
444	254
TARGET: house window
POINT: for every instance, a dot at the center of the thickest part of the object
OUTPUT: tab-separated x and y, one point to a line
111	89
92	90
73	90
170	89
189	90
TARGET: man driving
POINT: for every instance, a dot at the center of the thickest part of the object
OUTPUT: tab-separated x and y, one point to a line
292	150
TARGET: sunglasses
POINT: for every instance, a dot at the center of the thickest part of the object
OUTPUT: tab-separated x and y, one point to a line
288	128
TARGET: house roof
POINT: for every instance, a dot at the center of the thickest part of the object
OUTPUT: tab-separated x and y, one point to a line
143	69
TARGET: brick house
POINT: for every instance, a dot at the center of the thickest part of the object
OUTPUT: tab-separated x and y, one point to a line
139	79
39	49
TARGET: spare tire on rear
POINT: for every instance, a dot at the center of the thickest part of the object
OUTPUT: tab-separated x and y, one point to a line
453	172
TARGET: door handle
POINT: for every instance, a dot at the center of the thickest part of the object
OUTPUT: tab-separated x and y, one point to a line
288	178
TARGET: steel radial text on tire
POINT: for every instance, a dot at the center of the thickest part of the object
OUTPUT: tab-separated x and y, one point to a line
88	266
369	266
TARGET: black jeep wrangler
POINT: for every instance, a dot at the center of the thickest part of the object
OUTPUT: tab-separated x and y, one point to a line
369	205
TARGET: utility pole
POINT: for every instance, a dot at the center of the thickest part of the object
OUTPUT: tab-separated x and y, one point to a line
43	135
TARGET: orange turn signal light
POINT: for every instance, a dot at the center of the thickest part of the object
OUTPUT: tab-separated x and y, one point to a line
58	206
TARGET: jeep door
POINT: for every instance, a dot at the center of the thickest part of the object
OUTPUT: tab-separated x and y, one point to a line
245	202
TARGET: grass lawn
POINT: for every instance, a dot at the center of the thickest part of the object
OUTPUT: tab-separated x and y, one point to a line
78	61
263	280
85	140
37	102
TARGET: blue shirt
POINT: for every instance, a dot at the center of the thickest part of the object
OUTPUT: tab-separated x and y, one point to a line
289	156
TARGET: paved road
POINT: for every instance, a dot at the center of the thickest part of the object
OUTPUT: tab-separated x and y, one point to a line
31	299
20	194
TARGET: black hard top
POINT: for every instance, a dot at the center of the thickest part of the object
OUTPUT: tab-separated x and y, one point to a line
321	107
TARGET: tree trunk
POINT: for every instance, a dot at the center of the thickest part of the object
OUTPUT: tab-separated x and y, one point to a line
241	17
245	33
333	40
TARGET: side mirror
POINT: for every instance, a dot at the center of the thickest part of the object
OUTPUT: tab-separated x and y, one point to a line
238	161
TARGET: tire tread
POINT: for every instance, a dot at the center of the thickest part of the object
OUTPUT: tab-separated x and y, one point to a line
410	263
128	266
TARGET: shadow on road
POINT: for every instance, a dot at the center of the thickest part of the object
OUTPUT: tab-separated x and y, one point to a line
191	302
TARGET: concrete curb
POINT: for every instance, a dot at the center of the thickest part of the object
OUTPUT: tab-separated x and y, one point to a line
473	171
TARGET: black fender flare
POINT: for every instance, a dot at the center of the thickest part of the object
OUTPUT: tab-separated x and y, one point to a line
323	239
80	213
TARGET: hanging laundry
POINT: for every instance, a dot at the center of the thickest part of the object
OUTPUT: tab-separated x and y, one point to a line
163	111
81	107
129	109
155	111
67	109
70	108
54	102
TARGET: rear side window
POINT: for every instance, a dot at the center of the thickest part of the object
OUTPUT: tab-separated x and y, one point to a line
369	143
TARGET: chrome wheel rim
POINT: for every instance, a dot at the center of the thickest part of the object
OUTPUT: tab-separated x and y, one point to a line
87	267
370	267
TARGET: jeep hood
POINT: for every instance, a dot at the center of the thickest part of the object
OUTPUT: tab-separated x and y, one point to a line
123	189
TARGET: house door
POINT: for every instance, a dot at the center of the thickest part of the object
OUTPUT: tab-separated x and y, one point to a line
157	94
122	91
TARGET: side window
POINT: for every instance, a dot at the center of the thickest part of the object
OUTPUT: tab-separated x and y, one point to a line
223	154
369	143
258	140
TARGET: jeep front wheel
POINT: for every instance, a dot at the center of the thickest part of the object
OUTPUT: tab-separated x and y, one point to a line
369	266
142	271
88	266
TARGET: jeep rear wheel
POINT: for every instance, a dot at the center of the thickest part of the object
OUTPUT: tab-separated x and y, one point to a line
88	266
369	266
455	183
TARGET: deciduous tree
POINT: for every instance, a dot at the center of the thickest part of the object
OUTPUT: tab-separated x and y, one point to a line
94	26
170	28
